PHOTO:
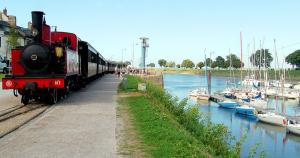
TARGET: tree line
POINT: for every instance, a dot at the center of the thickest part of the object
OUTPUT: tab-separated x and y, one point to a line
219	62
261	58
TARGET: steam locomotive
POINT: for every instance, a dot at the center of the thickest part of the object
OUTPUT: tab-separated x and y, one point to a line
55	63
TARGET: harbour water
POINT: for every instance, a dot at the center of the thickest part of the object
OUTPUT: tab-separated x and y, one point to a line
272	139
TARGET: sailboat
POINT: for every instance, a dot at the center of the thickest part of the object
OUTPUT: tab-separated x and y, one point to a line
203	93
272	118
293	127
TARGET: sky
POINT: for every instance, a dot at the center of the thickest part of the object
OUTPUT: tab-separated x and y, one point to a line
177	29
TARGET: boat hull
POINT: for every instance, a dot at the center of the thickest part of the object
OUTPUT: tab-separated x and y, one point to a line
228	105
203	97
272	119
245	111
293	128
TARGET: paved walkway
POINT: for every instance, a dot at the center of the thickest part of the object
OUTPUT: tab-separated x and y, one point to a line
83	125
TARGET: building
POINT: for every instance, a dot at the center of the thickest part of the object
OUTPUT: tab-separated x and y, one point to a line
6	23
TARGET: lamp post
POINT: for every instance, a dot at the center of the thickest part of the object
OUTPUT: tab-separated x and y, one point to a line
133	47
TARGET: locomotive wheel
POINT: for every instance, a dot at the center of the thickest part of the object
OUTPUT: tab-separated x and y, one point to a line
25	99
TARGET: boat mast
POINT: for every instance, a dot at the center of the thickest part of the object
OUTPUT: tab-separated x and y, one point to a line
254	60
275	52
205	67
241	41
260	61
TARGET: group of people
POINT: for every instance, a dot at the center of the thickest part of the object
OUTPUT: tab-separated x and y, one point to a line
121	71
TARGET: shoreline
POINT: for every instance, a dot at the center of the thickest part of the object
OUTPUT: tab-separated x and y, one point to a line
291	75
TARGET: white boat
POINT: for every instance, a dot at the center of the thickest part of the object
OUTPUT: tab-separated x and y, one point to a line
201	94
288	85
279	84
297	86
245	110
293	127
291	95
272	118
228	104
194	93
259	103
271	92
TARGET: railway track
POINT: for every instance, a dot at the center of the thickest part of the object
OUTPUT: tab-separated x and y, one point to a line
16	116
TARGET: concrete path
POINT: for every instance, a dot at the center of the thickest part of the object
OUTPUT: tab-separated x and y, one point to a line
83	125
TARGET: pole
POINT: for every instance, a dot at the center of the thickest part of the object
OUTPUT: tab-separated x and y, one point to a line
132	60
241	56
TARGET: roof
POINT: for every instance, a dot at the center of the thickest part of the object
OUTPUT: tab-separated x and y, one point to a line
24	32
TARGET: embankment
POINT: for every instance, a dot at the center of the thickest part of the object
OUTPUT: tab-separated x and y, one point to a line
167	128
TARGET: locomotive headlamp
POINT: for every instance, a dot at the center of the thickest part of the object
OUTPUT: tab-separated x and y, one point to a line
59	52
35	32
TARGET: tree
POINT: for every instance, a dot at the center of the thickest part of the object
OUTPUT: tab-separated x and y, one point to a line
162	62
235	61
208	62
151	65
170	64
220	62
178	65
294	58
214	64
13	37
258	59
187	63
200	65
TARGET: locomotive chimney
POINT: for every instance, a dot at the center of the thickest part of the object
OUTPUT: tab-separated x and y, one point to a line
37	25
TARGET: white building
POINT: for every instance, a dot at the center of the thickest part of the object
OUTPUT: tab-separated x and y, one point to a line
6	22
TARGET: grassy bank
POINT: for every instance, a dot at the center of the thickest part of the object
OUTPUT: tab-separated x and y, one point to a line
169	128
161	135
2	75
293	75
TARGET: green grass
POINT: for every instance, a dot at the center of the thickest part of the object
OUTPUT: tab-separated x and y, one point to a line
130	84
162	136
2	75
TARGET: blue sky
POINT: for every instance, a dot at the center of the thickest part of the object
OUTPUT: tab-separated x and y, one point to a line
177	29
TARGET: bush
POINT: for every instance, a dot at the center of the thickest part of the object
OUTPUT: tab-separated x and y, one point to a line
215	136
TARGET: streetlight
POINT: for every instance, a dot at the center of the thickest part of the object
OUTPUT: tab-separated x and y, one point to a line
132	60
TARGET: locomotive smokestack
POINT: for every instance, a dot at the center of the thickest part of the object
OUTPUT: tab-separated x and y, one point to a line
37	25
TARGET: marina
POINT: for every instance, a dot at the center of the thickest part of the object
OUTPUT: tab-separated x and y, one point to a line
276	141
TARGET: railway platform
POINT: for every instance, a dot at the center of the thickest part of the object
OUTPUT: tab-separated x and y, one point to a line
82	125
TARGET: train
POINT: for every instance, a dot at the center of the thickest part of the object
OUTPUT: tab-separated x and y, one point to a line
53	64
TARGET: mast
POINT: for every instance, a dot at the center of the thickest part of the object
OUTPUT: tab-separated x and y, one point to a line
254	60
205	67
275	51
260	61
241	40
230	66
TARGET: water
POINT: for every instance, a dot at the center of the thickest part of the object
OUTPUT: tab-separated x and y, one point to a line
273	140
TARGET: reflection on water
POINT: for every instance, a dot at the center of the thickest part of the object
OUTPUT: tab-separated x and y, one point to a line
273	139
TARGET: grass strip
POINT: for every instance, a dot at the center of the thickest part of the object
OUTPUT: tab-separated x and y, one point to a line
162	136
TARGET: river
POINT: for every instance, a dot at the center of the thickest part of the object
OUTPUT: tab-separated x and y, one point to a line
273	140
